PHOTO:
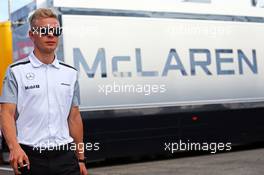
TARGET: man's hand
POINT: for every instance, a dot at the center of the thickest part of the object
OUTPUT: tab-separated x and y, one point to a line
17	158
83	169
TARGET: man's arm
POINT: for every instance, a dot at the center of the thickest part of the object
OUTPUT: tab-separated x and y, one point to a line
8	124
7	120
76	126
76	132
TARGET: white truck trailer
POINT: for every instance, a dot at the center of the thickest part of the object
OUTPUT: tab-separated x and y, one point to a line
155	73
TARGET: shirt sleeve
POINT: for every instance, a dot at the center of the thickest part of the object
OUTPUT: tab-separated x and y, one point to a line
10	88
76	94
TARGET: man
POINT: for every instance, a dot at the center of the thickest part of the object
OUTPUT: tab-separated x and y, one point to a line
44	93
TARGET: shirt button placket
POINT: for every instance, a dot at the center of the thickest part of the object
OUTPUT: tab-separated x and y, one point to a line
48	99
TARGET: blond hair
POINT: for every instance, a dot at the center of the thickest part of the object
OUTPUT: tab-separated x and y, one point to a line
41	13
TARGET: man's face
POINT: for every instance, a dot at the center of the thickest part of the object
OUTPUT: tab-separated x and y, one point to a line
45	43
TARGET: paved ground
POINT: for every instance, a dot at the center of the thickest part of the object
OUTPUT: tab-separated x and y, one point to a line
245	162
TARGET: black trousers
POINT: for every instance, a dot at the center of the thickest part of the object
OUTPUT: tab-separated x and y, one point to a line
51	162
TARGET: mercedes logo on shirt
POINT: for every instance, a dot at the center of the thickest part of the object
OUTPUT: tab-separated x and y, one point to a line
30	76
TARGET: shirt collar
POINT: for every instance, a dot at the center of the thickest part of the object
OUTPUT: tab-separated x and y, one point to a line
37	63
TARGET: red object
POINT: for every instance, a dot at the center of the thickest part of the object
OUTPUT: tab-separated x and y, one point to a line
195	118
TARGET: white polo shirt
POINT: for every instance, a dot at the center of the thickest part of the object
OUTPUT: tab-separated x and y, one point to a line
44	95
